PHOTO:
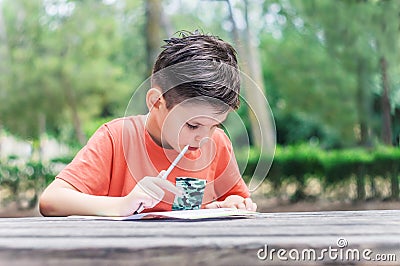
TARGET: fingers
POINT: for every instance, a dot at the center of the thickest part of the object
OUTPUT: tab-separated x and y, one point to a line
241	206
165	184
221	204
236	202
250	205
150	190
213	205
244	204
231	205
154	191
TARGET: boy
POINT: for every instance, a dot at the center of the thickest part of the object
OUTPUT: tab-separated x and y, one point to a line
195	83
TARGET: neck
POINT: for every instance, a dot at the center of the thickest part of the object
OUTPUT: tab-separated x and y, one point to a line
154	131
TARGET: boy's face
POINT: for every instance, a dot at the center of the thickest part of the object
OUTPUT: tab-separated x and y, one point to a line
189	124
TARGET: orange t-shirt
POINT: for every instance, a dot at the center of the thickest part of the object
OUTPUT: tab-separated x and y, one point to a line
121	152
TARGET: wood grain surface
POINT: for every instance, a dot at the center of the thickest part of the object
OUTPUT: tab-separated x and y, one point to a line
66	241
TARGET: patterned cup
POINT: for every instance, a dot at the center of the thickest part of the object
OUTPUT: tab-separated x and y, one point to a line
193	193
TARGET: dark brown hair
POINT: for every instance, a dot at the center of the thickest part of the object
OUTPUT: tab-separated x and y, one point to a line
198	66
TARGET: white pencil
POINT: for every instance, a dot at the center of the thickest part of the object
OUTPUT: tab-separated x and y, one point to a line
165	175
175	162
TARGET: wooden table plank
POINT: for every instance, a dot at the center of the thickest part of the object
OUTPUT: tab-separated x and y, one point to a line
228	242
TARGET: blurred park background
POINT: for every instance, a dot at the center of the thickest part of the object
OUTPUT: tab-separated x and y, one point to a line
329	69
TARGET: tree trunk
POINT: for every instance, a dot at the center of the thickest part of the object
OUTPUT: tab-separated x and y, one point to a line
385	104
259	117
71	101
3	43
394	182
363	103
360	180
41	135
153	31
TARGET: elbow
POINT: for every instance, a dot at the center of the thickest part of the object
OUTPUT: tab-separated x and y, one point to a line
46	205
53	199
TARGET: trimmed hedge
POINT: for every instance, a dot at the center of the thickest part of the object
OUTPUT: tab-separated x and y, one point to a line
333	168
291	165
17	177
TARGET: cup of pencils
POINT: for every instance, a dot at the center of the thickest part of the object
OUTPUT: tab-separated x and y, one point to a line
193	193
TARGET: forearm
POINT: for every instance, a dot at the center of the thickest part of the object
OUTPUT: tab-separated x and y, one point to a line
63	201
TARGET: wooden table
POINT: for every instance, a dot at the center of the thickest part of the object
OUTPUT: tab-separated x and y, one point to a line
66	241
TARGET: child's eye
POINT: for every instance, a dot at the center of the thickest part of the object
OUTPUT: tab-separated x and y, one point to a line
191	126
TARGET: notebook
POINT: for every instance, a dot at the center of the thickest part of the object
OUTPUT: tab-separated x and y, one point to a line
221	213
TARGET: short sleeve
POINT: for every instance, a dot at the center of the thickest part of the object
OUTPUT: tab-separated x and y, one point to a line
90	170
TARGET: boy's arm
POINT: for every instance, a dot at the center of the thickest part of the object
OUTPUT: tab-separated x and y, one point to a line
62	199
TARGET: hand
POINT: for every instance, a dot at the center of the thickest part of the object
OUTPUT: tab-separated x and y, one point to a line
148	192
234	201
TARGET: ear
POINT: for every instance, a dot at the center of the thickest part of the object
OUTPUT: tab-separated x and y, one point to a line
153	98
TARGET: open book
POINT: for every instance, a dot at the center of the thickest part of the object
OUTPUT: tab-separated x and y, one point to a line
185	214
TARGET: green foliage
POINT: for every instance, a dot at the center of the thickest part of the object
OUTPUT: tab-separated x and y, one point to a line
94	124
62	64
307	87
322	65
66	63
299	161
295	164
63	160
22	182
294	128
387	161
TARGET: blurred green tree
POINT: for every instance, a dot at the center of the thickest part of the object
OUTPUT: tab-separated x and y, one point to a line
66	66
322	61
347	32
311	95
24	85
386	32
62	66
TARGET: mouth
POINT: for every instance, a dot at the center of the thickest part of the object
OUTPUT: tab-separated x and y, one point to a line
193	148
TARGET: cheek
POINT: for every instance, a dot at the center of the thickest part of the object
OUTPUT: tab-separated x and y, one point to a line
185	135
176	133
168	130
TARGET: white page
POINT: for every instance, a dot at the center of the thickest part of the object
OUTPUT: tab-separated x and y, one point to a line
184	214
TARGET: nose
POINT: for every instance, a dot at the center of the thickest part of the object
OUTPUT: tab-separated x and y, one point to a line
198	138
